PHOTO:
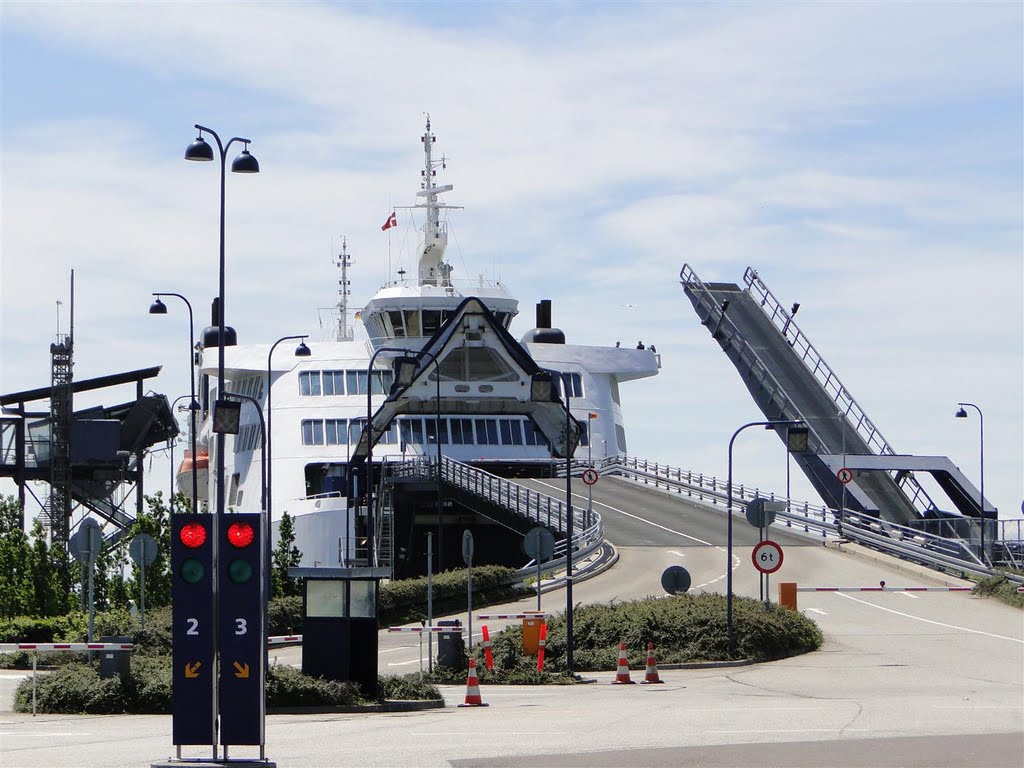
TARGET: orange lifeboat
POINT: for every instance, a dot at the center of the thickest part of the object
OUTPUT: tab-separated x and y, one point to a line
201	462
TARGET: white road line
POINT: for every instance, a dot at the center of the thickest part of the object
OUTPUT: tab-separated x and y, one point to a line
673	552
929	621
403	663
815	610
907	594
635	517
795	730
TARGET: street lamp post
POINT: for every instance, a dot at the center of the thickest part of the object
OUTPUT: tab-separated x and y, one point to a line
200	151
569	532
159	308
962	414
410	354
171	497
300	351
728	511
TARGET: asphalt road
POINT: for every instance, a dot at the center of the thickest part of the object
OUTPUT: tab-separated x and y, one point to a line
903	679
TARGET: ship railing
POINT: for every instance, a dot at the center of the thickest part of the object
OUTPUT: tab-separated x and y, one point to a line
588	529
948	553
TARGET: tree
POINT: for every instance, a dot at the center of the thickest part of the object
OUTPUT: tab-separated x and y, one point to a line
286	555
16	590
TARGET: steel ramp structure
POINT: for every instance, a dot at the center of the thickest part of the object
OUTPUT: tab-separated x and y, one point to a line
789	379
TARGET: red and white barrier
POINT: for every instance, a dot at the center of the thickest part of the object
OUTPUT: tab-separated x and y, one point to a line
533	615
419	629
884	589
279	639
46	647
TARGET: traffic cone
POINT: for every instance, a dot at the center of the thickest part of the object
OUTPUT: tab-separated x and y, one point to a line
622	673
651	675
540	647
472	688
488	654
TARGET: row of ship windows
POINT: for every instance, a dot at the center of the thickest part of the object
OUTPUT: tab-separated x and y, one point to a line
415	322
317	383
423	431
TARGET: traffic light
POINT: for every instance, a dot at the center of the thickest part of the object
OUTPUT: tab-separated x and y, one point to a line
242	643
192	628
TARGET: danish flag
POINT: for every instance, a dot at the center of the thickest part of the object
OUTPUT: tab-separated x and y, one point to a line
391	222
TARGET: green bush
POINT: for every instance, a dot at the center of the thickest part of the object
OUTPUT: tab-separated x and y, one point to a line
284	616
683	628
288	687
44	629
405	688
405	601
1002	589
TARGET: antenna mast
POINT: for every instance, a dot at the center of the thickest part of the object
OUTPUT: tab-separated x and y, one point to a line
344	262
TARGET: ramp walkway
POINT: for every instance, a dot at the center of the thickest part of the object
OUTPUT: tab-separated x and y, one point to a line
789	379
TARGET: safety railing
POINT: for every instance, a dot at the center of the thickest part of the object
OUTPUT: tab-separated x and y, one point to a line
588	530
949	553
829	381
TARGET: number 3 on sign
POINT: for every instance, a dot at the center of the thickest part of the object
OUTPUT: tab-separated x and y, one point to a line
240	626
767	556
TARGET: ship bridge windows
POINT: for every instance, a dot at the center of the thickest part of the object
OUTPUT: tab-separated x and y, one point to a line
340	383
475	364
431	321
462	431
573	382
340	432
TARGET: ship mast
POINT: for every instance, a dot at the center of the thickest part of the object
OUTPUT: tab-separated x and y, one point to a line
432	269
345	333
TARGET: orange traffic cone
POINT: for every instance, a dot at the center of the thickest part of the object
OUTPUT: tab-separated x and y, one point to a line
622	673
472	688
651	676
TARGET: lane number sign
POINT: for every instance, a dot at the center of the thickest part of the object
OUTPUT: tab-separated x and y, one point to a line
844	475
590	476
767	556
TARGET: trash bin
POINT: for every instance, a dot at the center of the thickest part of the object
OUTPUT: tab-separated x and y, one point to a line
531	633
115	662
451	649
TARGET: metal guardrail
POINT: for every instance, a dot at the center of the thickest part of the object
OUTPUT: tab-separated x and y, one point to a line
588	533
815	519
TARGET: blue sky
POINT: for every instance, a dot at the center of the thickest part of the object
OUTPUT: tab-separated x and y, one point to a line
864	157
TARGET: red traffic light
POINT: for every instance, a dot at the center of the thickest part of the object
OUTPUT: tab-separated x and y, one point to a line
240	534
193	535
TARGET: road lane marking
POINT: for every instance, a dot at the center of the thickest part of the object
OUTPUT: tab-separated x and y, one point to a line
815	610
404	663
673	552
929	621
641	519
907	594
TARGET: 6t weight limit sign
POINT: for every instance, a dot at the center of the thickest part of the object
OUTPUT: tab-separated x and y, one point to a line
767	556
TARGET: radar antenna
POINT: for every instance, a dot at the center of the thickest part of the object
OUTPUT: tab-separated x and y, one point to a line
345	332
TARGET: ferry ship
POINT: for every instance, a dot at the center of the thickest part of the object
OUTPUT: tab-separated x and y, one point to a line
315	397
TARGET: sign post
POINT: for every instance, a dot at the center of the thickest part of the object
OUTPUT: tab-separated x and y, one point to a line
467	556
192	626
242	655
539	544
142	550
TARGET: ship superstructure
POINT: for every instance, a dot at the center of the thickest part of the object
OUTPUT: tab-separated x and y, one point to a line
319	401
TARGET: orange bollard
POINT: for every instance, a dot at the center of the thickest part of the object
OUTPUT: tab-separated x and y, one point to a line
540	647
488	656
787	594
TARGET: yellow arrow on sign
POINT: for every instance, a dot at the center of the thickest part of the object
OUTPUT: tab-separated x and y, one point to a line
241	670
192	670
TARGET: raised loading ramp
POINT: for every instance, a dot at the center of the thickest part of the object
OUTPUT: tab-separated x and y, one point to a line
789	379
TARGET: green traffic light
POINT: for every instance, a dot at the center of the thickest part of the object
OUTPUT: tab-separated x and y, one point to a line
240	571
192	571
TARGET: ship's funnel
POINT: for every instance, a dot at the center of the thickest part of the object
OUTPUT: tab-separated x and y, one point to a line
544	333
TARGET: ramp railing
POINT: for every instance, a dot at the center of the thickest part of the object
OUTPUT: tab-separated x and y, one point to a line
588	533
831	384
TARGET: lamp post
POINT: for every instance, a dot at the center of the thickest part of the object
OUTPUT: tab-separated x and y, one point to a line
569	531
404	376
300	351
159	308
200	151
962	414
171	497
728	511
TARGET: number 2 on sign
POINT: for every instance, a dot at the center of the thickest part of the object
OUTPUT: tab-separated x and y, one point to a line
193	626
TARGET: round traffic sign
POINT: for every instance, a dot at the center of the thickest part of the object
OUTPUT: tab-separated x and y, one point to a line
675	579
844	475
590	476
539	543
767	556
142	549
